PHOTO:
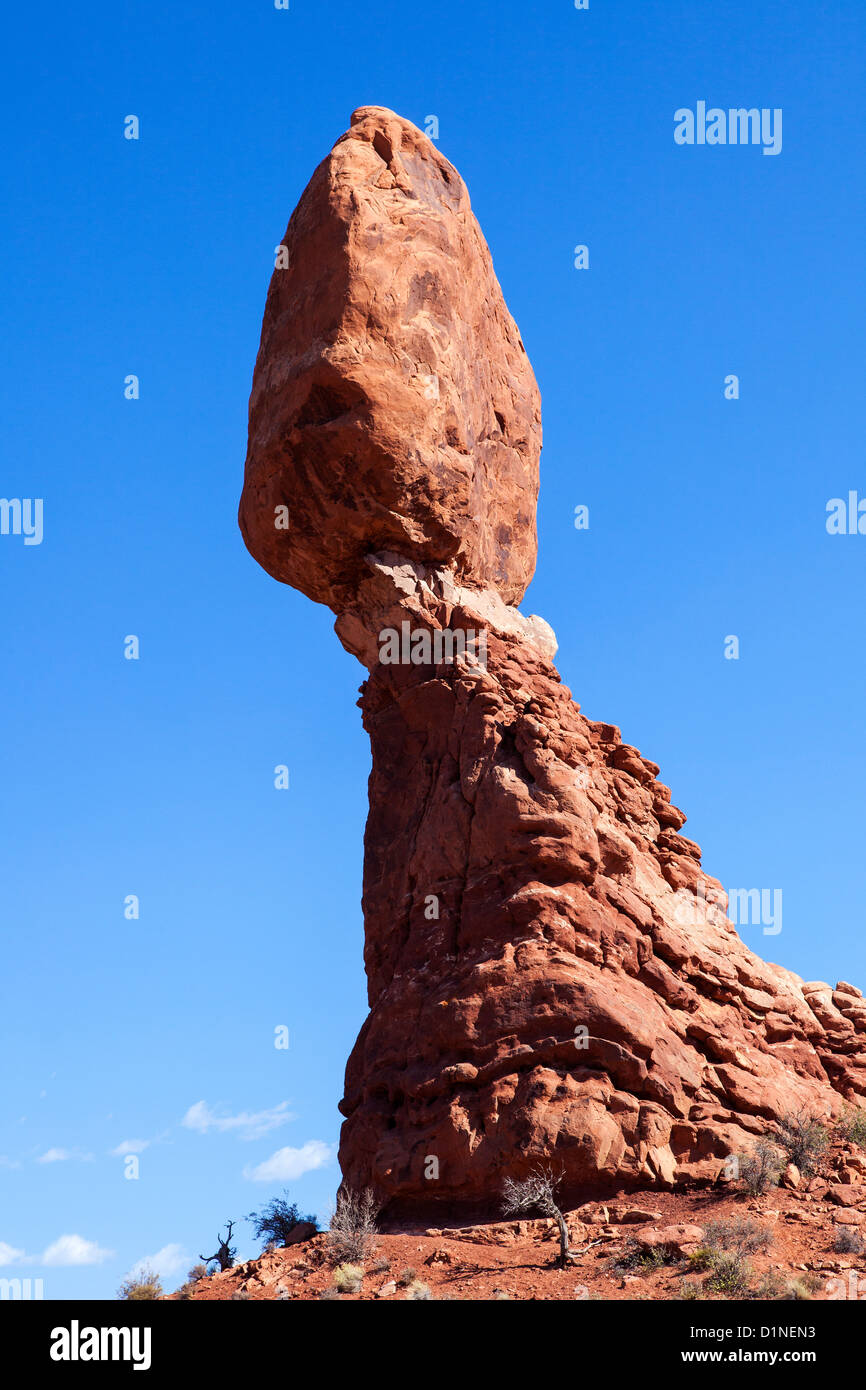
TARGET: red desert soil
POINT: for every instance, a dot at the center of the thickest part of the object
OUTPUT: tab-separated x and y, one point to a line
518	1259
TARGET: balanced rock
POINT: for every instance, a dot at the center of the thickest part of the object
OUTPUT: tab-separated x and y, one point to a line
393	405
551	974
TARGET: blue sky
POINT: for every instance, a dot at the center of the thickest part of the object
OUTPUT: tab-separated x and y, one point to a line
707	518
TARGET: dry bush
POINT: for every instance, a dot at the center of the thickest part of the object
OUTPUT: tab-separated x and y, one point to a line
353	1226
195	1274
348	1278
144	1285
740	1234
418	1292
848	1241
804	1138
760	1168
852	1127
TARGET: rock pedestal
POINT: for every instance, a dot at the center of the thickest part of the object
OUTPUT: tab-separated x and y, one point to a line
551	973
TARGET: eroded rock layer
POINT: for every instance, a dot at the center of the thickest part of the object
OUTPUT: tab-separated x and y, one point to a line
551	973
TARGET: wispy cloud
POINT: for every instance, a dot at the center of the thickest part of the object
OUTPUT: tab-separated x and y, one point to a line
71	1250
202	1118
66	1250
9	1162
287	1164
168	1261
131	1146
64	1156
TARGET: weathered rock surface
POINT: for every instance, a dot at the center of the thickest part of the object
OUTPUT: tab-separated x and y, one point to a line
551	973
393	404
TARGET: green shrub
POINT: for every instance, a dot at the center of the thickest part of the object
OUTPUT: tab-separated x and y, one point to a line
274	1224
731	1275
702	1259
635	1256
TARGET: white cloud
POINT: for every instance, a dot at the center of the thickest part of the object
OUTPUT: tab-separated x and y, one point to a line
168	1261
64	1156
72	1250
249	1126
130	1146
287	1164
8	1254
9	1162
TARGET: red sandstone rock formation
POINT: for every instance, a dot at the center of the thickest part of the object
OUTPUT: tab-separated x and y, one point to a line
551	973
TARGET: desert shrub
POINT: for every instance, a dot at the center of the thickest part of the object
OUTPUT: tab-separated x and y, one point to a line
240	1295
277	1220
380	1266
771	1285
419	1292
848	1241
330	1293
407	1275
194	1275
353	1226
348	1278
804	1139
731	1275
797	1291
740	1234
852	1127
633	1256
690	1291
760	1168
702	1259
143	1285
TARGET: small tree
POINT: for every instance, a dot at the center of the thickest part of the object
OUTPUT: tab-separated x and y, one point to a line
538	1193
275	1223
353	1225
225	1255
143	1284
